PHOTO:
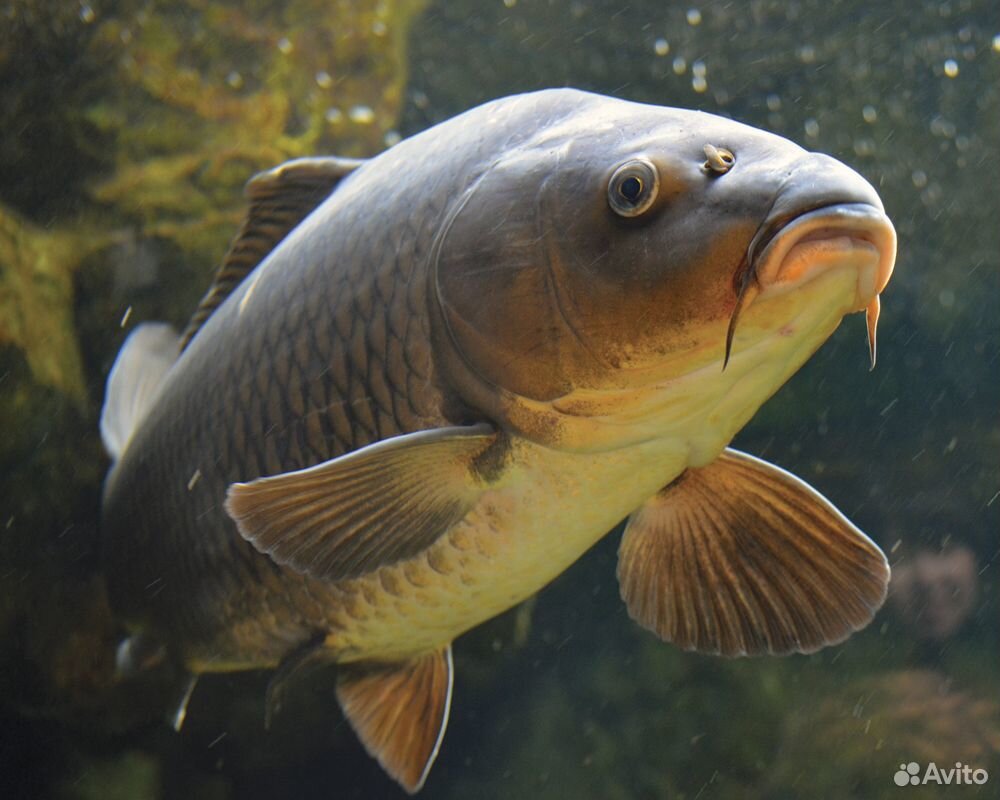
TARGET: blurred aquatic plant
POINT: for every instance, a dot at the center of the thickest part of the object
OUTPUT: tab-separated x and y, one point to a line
212	92
850	743
36	298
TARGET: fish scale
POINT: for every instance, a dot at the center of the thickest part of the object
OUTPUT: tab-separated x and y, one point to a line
483	350
314	351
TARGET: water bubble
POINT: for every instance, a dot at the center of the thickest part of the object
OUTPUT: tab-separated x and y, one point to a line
773	102
235	80
334	115
362	115
698	69
693	16
680	65
919	178
864	146
951	68
811	127
869	114
661	47
323	79
87	14
284	45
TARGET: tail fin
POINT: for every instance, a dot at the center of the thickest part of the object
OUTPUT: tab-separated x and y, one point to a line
134	381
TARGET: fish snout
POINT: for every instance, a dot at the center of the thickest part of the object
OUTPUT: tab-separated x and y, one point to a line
825	216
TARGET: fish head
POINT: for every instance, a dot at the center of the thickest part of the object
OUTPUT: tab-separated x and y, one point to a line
625	248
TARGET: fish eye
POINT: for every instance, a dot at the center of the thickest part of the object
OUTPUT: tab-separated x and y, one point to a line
633	188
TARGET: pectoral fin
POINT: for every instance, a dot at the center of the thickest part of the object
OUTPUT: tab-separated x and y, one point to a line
743	558
376	506
400	712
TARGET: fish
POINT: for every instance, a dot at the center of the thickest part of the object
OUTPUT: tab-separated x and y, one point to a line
423	384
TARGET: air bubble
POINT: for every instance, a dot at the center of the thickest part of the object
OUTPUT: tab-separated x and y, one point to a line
362	115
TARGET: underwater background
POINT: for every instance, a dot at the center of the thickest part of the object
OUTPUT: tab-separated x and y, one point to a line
127	130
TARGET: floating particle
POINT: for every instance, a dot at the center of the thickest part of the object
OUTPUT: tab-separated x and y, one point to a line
946	297
680	65
699	84
919	178
87	14
951	68
869	114
864	146
661	47
125	317
334	115
693	16
392	138
323	79
379	28
807	54
996	43
421	100
362	115
284	45
698	69
235	80
773	102
510	3
811	127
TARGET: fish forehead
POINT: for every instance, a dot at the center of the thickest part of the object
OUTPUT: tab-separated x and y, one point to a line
574	120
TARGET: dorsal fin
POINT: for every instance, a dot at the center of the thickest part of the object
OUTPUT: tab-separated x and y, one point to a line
279	200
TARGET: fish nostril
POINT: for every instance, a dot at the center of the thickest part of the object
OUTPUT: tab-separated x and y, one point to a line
719	160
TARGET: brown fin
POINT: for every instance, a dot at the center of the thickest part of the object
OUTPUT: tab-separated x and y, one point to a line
400	712
743	558
376	506
279	200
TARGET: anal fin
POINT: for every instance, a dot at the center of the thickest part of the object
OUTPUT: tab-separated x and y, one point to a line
742	558
400	712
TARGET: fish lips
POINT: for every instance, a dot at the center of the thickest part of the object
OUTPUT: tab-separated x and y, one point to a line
786	254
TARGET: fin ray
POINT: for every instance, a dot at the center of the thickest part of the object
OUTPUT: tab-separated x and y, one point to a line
280	199
741	557
375	506
400	712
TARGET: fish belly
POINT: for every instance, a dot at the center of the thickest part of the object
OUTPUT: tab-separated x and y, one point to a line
546	512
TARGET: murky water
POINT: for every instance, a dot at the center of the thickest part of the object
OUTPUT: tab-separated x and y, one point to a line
128	130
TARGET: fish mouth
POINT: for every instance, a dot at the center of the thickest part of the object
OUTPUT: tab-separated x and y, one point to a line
811	243
784	254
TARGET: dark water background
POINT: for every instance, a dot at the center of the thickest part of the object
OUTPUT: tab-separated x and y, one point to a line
126	131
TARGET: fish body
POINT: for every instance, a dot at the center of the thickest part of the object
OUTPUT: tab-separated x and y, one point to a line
424	384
